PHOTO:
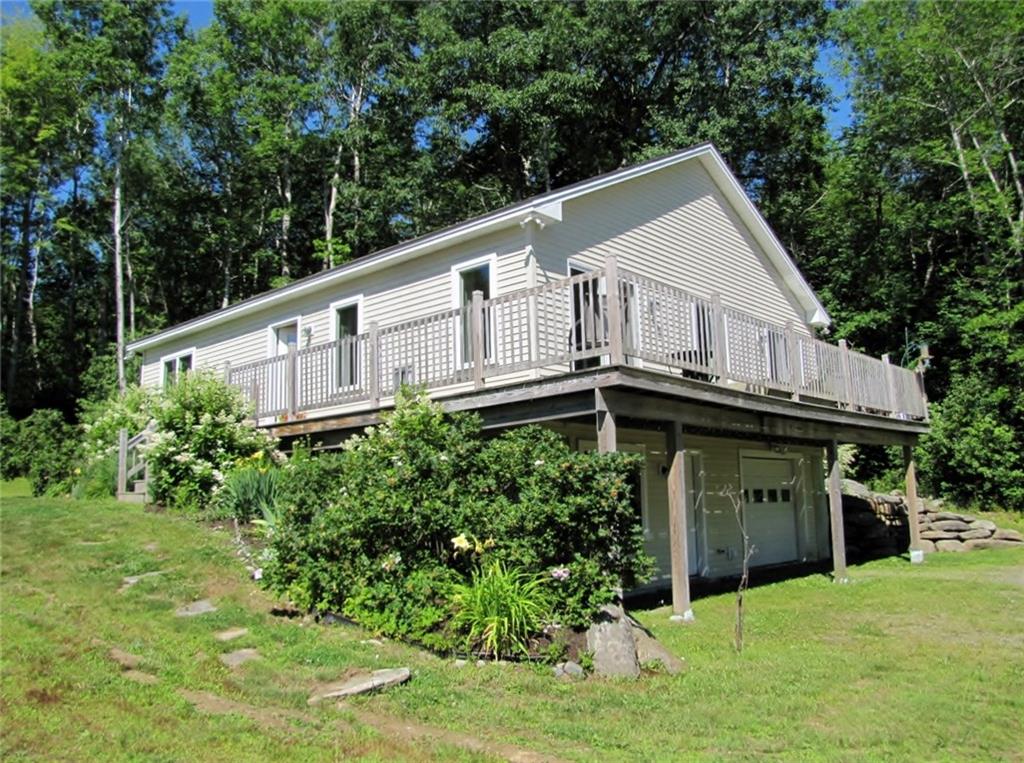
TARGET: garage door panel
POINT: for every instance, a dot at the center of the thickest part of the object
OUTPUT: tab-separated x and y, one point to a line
769	510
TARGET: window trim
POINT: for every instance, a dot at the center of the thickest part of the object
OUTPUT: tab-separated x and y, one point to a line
176	357
332	313
491	260
272	334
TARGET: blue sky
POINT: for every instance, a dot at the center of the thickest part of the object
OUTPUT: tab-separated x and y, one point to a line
200	12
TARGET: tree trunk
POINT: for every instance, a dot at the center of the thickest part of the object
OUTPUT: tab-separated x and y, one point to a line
118	271
22	291
332	204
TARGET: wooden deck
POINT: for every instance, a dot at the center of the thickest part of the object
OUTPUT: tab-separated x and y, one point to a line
603	330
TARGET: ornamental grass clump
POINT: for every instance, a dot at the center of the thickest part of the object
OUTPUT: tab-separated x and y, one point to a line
500	609
251	490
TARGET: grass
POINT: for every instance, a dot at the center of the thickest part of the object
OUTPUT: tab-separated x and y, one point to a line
922	662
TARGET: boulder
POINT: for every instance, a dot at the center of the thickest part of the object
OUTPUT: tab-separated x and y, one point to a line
891	499
1008	535
649	649
992	543
938	535
955	516
378	679
856	490
610	640
927	546
950	545
950	525
972	534
983	524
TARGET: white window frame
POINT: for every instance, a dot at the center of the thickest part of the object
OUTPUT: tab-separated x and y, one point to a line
458	269
272	334
176	357
332	332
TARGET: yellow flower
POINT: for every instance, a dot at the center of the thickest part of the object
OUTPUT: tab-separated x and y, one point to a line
461	542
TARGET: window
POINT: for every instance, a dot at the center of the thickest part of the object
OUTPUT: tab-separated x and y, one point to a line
346	327
476	276
284	335
176	365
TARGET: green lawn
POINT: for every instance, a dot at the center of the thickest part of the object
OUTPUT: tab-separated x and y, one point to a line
922	662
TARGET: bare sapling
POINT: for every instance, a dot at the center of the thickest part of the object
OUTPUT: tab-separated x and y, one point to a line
748	551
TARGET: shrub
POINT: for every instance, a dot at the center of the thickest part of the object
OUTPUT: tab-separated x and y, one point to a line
250	492
201	432
102	420
47	450
98	478
12	464
368	530
500	609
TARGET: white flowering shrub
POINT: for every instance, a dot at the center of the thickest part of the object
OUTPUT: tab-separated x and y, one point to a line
101	420
202	431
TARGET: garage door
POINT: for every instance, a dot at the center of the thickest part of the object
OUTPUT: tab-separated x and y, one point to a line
769	509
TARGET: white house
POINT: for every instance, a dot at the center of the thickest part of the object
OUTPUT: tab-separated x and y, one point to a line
650	309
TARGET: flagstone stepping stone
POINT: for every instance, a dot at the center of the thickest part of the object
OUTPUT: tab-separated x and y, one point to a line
239	657
200	607
151	547
125	660
139	677
230	634
378	679
131	580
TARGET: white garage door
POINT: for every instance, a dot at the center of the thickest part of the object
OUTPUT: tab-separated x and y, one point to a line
769	509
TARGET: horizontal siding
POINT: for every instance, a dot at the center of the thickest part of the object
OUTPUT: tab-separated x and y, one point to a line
674	226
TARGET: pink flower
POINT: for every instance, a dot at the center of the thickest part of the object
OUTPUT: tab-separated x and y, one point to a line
560	573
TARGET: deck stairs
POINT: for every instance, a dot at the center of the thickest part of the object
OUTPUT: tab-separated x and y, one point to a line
132	469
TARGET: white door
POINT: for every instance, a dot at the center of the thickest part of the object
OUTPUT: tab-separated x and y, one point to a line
286	335
769	509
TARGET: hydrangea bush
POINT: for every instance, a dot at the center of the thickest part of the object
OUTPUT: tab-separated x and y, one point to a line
202	430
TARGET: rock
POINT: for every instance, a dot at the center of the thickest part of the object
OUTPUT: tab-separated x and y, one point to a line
649	649
956	516
559	670
332	618
938	535
125	660
972	534
372	642
378	679
230	634
611	642
927	546
480	663
950	525
139	677
860	519
200	607
950	545
983	524
1008	535
992	543
573	669
892	499
131	580
239	657
856	490
460	663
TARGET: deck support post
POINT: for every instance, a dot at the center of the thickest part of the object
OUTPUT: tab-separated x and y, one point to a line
122	462
682	610
718	340
615	347
476	333
227	372
913	506
795	361
835	510
373	364
291	379
607	434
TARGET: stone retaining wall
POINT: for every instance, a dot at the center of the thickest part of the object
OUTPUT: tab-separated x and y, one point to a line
876	525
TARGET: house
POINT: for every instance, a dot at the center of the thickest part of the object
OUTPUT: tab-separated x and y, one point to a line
649	309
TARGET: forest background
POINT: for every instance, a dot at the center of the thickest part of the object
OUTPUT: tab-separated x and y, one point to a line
163	160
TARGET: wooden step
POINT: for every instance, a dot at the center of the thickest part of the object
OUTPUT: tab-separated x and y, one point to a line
132	497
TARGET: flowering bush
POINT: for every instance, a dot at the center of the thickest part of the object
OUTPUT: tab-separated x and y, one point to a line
202	431
101	421
383	529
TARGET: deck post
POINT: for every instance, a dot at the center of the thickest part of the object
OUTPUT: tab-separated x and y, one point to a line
682	610
835	510
122	462
718	338
611	277
919	374
607	431
890	385
913	506
844	349
373	364
254	392
291	387
227	372
795	360
476	327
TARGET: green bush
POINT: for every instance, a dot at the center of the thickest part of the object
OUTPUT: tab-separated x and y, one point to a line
369	531
102	420
500	608
11	462
250	492
97	478
47	451
201	432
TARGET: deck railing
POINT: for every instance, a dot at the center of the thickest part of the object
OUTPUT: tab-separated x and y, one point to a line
602	317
